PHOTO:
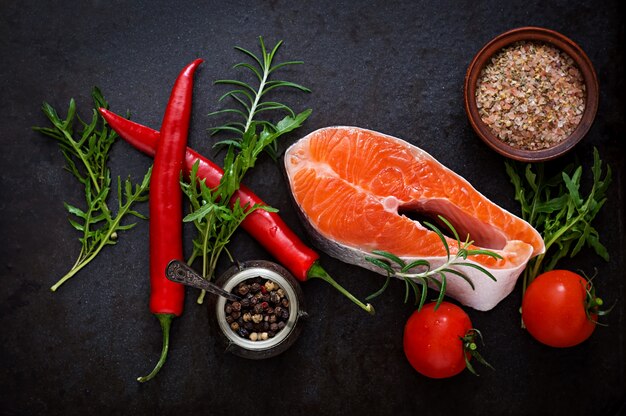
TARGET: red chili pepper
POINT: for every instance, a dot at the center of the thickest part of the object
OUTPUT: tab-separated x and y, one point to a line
265	227
166	243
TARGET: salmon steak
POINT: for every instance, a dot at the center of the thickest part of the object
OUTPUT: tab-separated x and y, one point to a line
358	191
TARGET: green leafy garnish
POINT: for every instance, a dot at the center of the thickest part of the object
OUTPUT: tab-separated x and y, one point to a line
86	148
470	347
559	211
214	217
418	273
251	102
214	220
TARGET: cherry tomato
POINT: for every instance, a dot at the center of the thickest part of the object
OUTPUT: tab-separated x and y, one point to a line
554	309
433	340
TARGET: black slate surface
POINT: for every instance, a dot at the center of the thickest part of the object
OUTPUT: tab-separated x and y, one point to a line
395	67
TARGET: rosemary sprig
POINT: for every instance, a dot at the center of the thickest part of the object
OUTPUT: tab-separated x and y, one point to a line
215	219
559	212
86	148
251	101
418	273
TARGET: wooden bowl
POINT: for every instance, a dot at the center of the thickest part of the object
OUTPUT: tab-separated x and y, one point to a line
536	34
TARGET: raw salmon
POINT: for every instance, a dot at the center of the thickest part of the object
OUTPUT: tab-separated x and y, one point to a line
359	191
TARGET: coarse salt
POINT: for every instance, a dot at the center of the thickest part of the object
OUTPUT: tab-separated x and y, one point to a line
543	92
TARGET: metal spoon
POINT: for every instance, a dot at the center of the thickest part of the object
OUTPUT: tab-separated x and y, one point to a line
179	272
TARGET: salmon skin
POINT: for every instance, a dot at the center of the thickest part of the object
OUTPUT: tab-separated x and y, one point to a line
358	190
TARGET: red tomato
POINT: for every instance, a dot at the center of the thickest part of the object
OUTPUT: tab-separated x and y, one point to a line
554	309
432	340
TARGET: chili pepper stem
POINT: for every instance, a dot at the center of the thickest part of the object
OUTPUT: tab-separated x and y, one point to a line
165	319
317	271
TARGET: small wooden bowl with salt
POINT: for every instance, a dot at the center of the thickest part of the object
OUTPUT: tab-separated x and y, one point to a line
531	94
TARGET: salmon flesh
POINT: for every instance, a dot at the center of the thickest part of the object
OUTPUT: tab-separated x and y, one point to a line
358	191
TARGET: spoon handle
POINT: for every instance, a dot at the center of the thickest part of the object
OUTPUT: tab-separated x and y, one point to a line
179	272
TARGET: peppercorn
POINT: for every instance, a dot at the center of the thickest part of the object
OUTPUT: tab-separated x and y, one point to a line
262	311
274	298
243	289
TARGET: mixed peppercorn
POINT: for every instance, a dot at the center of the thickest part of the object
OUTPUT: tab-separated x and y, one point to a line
262	312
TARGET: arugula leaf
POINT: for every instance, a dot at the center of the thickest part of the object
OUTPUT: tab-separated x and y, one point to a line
86	148
215	219
559	210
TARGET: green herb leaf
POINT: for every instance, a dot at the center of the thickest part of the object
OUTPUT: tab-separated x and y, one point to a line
414	264
461	275
437	277
441	237
381	290
561	211
381	264
249	135
86	148
389	256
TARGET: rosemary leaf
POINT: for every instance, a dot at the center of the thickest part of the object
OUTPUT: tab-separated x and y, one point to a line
442	290
414	264
214	217
381	290
381	264
421	271
389	256
441	237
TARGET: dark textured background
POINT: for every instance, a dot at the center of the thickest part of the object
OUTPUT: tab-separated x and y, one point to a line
396	67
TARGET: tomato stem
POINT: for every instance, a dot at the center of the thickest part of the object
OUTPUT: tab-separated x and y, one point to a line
470	349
